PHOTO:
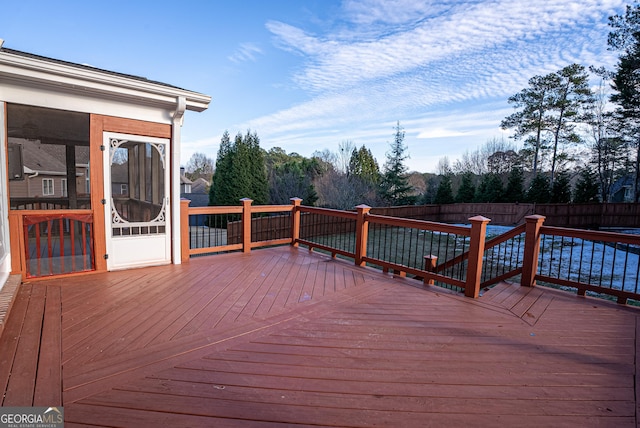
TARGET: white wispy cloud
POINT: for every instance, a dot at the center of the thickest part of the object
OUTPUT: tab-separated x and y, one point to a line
412	61
246	52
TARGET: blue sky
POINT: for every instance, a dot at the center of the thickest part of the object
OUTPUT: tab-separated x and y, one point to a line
309	74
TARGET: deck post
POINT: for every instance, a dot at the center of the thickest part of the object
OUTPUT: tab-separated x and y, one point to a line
185	238
531	250
246	224
362	232
295	222
430	263
476	252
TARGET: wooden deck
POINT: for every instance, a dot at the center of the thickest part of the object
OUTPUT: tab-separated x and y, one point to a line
283	336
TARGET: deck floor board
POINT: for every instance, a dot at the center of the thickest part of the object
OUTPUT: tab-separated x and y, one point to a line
283	336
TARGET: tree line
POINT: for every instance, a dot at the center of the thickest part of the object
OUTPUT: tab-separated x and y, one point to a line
570	142
339	180
579	144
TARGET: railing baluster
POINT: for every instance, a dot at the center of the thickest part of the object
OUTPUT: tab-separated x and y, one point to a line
72	236
62	253
613	264
50	226
38	249
84	245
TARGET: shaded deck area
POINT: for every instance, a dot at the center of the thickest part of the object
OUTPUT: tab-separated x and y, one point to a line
283	336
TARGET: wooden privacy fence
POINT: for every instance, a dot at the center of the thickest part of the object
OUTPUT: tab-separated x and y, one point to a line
454	256
592	215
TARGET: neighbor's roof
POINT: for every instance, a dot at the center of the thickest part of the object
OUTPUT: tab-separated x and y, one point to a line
67	75
200	186
48	158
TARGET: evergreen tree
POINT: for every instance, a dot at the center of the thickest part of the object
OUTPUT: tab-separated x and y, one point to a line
259	185
221	191
561	189
362	164
490	189
444	195
534	118
586	188
466	191
514	191
240	171
626	82
550	108
540	190
394	187
572	96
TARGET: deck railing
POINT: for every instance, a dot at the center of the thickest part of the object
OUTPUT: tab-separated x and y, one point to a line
217	229
600	262
458	257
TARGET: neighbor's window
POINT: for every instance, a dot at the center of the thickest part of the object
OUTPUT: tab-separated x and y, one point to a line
47	146
47	187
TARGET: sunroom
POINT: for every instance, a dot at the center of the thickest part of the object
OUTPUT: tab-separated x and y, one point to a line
89	167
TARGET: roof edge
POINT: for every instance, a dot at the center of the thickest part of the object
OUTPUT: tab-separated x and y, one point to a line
29	67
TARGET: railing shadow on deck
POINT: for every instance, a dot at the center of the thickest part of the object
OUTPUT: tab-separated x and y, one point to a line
458	257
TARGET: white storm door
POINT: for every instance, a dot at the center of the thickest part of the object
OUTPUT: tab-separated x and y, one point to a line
137	205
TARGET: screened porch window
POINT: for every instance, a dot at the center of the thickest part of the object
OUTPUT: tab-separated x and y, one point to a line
48	153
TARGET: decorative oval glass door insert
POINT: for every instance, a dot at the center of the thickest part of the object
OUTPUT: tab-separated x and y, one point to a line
138	200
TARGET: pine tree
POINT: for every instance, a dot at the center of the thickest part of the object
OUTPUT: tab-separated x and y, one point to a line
220	192
466	191
444	195
561	189
540	190
571	97
362	164
514	191
259	188
394	187
534	118
626	82
586	188
490	189
240	172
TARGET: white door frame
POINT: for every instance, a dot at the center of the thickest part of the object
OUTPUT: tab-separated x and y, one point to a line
137	249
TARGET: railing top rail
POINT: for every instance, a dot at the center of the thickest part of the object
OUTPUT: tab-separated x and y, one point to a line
329	212
216	210
592	235
271	208
419	224
50	212
505	236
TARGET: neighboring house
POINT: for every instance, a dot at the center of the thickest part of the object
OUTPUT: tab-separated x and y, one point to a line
88	154
185	183
622	189
198	193
44	172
